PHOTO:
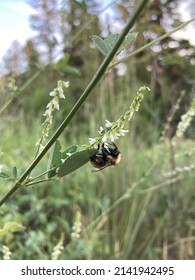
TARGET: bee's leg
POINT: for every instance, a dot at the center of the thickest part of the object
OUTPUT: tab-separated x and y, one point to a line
105	151
114	145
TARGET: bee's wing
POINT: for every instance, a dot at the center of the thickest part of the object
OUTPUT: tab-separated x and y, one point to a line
97	169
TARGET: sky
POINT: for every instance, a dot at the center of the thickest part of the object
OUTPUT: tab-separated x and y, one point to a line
14	23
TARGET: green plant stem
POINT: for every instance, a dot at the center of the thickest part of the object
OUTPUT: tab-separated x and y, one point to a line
151	43
38	182
98	75
46	172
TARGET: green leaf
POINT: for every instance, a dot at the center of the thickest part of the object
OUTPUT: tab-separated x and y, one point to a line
106	45
54	158
75	161
72	149
110	41
62	62
128	41
15	172
55	154
70	70
100	44
4	175
62	66
11	227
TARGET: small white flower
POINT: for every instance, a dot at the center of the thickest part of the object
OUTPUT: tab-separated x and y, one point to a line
130	115
55	104
57	250
60	90
108	123
49	109
61	94
101	130
53	93
50	120
47	113
122	132
66	84
92	141
60	84
56	94
105	138
113	130
113	136
6	252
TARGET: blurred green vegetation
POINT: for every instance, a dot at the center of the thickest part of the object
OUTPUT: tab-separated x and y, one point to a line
144	207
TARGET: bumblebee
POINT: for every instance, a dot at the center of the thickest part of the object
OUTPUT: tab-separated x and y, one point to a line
107	155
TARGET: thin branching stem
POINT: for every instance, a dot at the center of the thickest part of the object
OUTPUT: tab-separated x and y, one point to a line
151	43
39	181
